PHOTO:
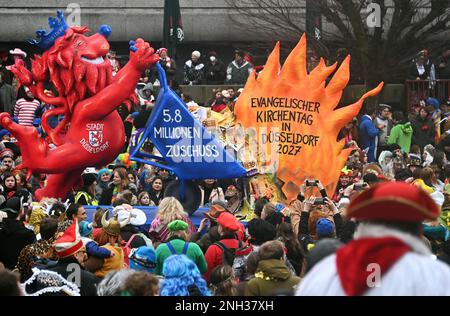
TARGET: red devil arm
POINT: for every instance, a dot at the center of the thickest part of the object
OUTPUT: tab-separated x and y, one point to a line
141	57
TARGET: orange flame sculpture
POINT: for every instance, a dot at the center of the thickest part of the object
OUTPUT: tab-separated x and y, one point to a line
295	117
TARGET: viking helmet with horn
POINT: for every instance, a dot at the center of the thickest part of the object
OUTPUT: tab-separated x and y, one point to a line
113	226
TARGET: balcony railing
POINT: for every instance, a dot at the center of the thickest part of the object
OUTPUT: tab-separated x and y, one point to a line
417	90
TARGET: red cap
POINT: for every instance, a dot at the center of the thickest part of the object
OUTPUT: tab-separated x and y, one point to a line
393	202
69	243
228	222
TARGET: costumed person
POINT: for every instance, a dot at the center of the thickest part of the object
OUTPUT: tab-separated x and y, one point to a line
109	238
178	244
40	255
169	210
228	229
49	283
72	257
169	65
17	54
92	132
143	259
345	180
182	278
26	106
388	256
131	233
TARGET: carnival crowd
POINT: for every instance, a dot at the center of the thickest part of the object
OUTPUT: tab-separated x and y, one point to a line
249	243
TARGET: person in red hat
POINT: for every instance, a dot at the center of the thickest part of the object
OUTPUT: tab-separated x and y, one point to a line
72	257
229	248
388	256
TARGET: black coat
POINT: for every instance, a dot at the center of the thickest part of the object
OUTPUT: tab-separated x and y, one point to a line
128	231
414	73
88	280
14	236
215	73
424	132
156	199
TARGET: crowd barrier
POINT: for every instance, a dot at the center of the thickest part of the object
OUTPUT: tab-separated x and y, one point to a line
150	212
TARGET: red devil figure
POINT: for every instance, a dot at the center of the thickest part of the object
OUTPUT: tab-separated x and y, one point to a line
91	133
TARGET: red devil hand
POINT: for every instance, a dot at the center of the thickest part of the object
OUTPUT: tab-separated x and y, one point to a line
142	55
21	72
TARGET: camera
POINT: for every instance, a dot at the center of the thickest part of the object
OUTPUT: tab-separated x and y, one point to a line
311	183
320	201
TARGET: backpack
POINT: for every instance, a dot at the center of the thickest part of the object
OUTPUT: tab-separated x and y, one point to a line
229	258
127	251
174	252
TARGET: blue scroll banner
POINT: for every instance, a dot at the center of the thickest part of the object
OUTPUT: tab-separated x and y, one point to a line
187	148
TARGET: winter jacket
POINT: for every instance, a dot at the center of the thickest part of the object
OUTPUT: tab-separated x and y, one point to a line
193	252
272	277
368	135
207	239
213	255
424	132
156	199
238	74
193	72
14	236
88	281
384	133
7	98
401	134
93	249
100	188
215	73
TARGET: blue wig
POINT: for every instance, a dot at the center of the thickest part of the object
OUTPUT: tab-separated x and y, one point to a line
180	273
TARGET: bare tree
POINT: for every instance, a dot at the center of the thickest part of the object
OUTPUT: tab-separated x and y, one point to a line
381	53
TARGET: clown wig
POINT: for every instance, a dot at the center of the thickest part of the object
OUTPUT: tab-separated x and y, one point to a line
182	278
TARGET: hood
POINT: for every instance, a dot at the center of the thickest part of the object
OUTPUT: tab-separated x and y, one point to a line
365	118
407	128
148	86
274	268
